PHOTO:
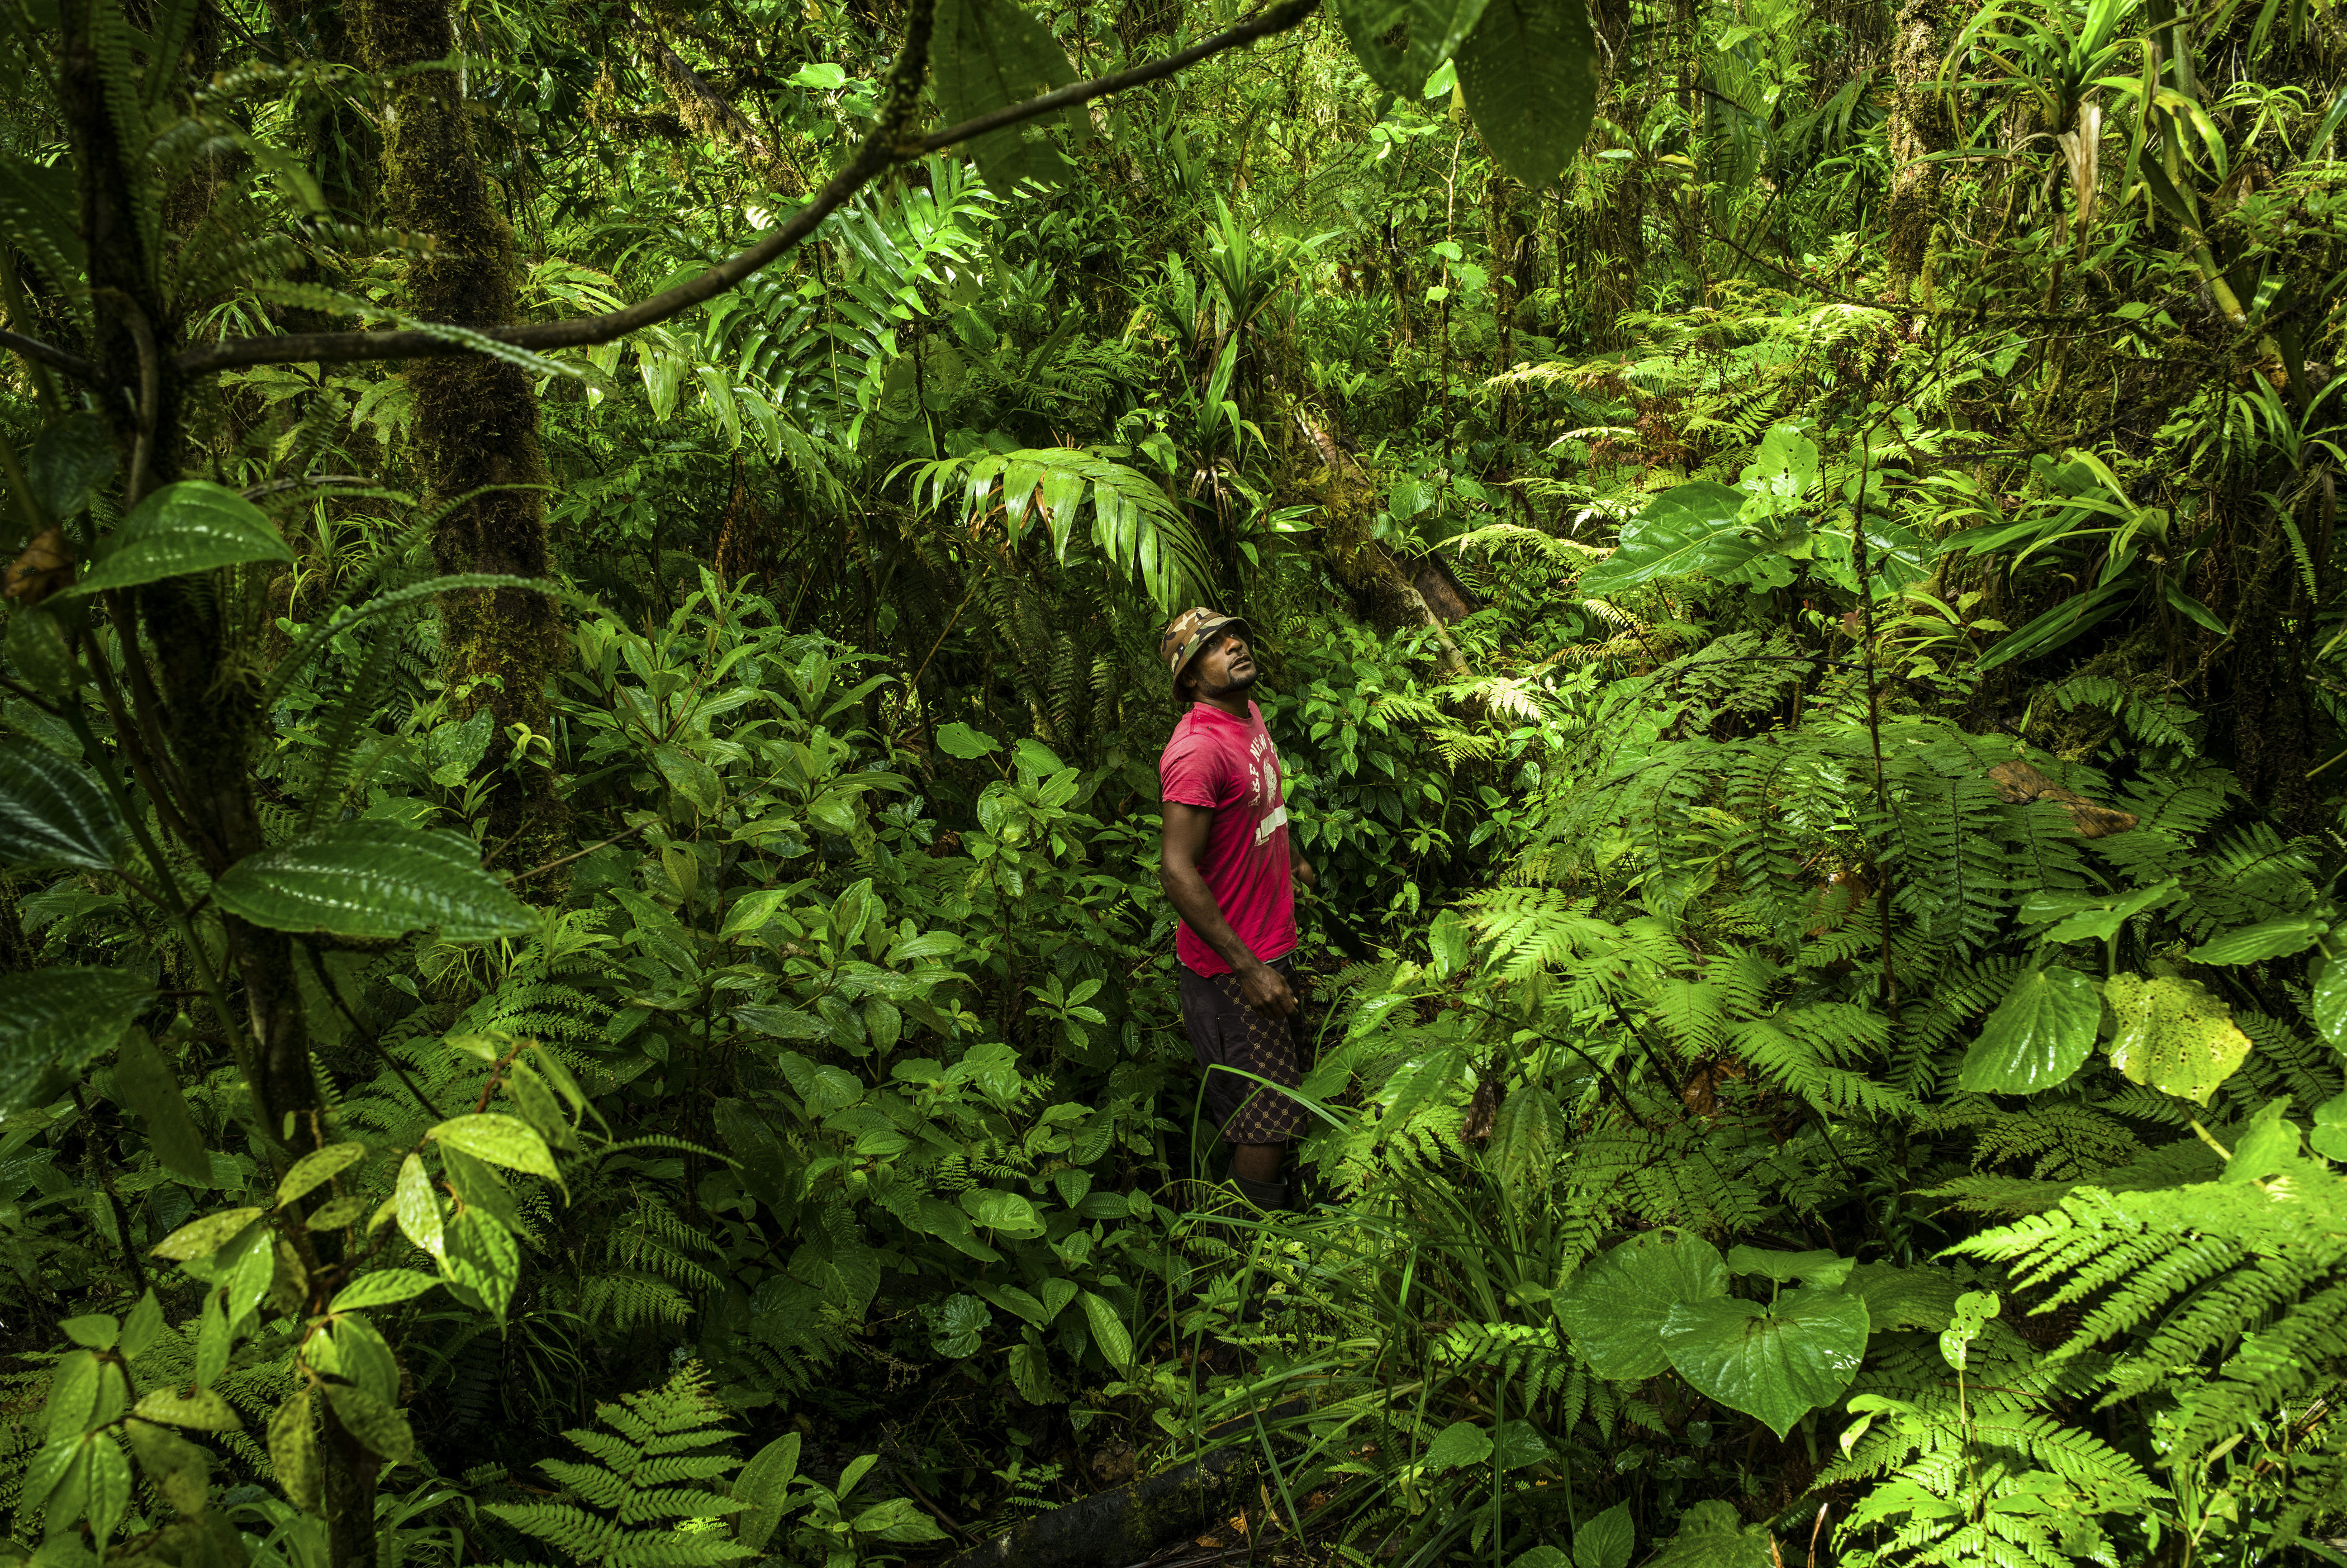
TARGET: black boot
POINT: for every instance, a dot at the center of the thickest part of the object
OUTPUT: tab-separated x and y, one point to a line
1266	1198
1270	1196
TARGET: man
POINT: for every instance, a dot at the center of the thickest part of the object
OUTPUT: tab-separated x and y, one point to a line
1229	866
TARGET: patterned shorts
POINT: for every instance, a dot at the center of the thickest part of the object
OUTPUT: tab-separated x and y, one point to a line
1225	1032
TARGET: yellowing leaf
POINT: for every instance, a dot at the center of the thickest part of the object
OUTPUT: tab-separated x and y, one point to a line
2174	1034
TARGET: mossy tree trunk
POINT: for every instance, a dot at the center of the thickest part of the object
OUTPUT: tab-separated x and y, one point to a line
1919	126
476	417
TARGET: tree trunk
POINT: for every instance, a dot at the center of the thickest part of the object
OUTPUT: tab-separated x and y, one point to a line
1379	588
476	418
1920	125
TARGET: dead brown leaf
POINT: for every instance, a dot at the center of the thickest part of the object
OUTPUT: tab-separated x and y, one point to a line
46	567
2020	783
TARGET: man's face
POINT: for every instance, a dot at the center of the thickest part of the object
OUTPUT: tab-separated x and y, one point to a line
1224	668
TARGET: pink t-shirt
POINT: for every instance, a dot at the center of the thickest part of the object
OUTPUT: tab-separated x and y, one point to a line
1229	766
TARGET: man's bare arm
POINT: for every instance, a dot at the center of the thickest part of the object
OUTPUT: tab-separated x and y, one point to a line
1183	840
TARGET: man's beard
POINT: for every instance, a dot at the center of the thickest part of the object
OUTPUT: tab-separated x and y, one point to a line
1238	683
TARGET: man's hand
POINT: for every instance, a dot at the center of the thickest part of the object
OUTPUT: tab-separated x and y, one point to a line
1301	869
1267	990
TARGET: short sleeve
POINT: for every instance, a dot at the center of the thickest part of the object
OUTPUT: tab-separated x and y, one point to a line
1189	772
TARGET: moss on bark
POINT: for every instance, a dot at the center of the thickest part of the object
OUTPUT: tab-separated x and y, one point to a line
476	418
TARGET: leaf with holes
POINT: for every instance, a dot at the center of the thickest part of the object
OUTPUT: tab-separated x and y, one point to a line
191	527
2174	1034
373	880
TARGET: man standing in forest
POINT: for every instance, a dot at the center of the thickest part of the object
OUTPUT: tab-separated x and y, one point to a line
1230	867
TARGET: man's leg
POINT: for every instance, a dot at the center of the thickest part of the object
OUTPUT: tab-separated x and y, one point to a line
1258	1162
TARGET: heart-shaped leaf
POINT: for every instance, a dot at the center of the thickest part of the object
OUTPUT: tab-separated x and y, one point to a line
987	55
958	740
1461	1442
1402	42
1606	1540
2038	1035
1774	1363
1616	1306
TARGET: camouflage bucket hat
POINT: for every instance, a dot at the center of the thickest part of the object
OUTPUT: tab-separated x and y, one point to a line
1188	633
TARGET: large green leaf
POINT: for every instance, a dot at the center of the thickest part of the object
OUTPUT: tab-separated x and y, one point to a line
149	1086
2038	1037
54	1021
1616	1306
1688	530
373	880
987	53
1823	1268
1607	1540
2173	1034
1774	1363
763	1485
1530	69
53	813
2091	917
1400	43
2266	939
192	525
2326	1003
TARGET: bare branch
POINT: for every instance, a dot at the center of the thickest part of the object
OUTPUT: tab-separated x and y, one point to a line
56	358
883	148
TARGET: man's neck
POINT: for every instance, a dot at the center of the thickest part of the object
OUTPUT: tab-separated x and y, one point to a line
1234	704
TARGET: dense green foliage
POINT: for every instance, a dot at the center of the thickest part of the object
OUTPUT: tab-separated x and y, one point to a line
581	973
